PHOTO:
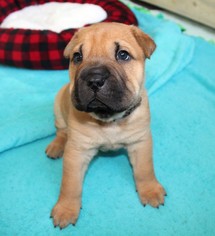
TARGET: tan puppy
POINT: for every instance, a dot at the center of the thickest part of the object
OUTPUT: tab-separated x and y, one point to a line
104	106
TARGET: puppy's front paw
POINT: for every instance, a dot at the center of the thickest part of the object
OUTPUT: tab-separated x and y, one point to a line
64	215
152	193
55	149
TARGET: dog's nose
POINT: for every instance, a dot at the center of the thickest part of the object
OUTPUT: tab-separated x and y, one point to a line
96	77
95	82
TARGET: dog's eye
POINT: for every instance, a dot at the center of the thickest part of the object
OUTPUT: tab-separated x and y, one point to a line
123	55
77	57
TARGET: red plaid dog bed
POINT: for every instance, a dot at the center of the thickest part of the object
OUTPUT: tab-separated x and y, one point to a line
43	49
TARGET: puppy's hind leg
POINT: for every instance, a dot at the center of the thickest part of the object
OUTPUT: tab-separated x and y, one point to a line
56	148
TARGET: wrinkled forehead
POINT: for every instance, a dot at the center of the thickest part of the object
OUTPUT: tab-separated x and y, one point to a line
106	39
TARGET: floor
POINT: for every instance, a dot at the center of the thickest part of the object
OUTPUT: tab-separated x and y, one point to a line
189	26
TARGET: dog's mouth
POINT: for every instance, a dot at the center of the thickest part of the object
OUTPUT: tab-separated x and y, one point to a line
101	110
98	106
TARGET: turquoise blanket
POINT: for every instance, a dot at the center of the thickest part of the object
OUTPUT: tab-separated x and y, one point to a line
181	86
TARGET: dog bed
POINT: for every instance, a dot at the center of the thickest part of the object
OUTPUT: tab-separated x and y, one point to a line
43	49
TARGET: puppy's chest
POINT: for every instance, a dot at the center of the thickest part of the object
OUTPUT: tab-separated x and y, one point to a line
110	145
112	138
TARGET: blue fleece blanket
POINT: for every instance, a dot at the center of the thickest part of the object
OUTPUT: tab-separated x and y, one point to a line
181	87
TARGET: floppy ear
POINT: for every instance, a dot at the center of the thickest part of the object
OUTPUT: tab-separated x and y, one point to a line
67	49
145	42
70	46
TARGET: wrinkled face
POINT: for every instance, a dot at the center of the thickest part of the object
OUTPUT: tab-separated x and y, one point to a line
107	68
